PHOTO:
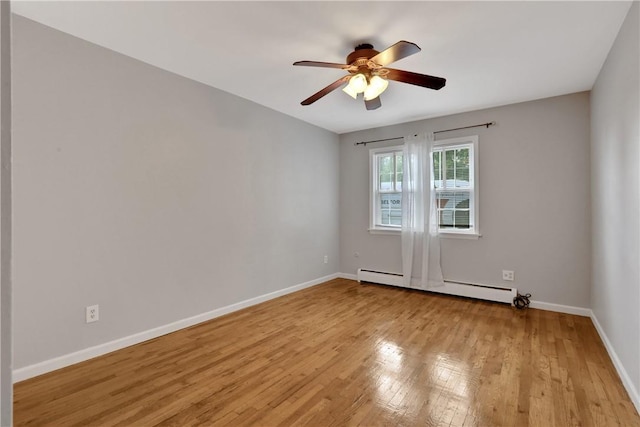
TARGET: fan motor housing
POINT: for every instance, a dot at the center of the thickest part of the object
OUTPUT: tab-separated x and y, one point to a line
364	50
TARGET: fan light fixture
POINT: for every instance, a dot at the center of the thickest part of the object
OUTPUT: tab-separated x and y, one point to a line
350	91
377	85
372	87
357	84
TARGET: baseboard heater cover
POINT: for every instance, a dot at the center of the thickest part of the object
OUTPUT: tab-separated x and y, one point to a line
470	290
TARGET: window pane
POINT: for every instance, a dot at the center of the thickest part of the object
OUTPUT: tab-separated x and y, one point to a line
385	163
396	217
398	162
450	168
461	219
461	200
386	183
391	209
446	199
450	218
385	172
446	218
437	168
461	160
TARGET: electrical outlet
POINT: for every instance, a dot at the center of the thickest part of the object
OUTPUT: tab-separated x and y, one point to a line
92	313
326	259
508	275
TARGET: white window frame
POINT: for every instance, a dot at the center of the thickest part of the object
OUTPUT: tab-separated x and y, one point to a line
374	226
462	142
472	233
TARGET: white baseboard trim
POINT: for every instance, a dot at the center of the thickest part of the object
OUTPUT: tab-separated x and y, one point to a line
568	309
40	368
622	372
347	276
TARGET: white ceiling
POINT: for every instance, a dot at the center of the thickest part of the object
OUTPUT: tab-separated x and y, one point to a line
491	53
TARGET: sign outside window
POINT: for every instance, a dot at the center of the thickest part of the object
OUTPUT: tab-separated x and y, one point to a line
391	209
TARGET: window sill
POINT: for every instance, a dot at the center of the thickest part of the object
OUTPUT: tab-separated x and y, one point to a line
388	231
466	236
443	235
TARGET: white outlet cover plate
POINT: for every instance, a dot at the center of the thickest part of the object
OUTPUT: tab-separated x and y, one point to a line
92	314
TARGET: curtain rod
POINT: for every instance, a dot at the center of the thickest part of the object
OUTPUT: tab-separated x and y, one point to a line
438	131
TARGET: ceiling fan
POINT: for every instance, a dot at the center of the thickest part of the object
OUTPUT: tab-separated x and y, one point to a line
368	73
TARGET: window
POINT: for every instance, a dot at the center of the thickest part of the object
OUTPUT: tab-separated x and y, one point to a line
386	185
454	170
455	175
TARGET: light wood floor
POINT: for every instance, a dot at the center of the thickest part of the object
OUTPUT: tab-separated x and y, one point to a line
347	354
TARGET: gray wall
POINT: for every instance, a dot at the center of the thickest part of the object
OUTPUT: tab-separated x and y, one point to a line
6	382
154	196
615	178
534	200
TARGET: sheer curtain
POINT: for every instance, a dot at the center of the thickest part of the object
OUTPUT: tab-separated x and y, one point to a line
420	240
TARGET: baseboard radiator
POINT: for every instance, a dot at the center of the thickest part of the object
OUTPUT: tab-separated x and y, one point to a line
470	290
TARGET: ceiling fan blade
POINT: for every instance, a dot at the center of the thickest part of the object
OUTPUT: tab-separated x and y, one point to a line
400	50
322	64
423	80
373	104
333	86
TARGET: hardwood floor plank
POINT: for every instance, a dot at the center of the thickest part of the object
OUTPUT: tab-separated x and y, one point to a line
343	353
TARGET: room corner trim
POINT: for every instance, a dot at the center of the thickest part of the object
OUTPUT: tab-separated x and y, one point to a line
40	368
347	276
622	372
